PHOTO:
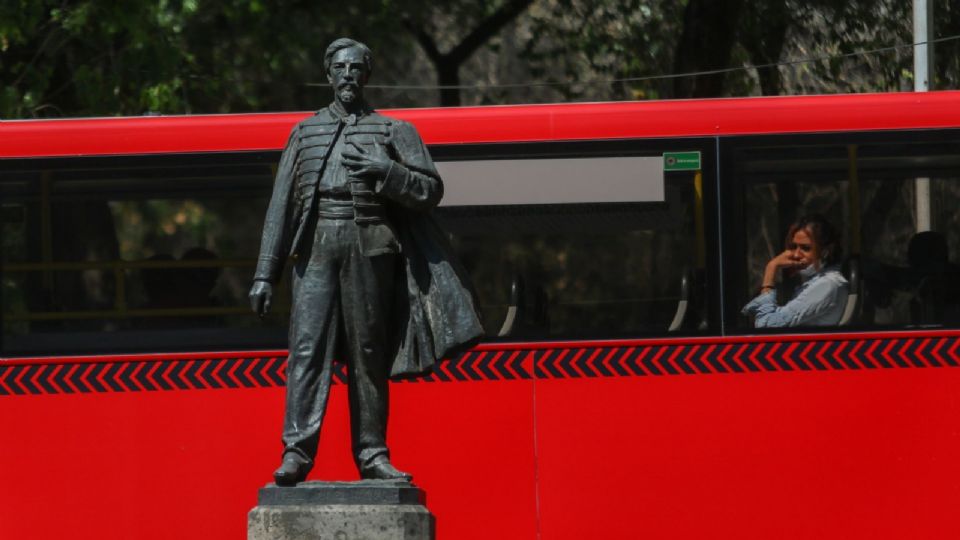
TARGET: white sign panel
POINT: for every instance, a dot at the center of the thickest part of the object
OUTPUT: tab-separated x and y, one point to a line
552	181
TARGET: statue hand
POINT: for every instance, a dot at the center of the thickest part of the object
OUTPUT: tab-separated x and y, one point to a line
261	295
371	164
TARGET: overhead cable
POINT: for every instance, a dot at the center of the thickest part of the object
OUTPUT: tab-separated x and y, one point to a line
655	77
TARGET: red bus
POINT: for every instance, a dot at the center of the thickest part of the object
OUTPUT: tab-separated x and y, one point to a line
619	393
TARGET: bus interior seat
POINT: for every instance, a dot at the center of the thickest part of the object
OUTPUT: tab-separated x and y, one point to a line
683	305
514	307
851	310
933	280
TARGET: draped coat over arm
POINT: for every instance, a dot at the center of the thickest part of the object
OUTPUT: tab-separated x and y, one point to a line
434	311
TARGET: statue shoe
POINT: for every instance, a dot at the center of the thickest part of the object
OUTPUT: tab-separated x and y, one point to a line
383	470
292	470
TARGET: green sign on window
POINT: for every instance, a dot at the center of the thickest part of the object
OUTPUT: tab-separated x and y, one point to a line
681	161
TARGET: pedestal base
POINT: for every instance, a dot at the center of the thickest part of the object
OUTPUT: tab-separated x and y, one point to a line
364	510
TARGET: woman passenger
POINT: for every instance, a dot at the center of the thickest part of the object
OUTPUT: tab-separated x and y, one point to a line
812	255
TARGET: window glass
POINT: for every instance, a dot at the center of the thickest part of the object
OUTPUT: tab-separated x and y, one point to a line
153	253
893	202
577	270
157	252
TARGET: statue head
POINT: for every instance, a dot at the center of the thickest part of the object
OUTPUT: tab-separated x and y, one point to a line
348	64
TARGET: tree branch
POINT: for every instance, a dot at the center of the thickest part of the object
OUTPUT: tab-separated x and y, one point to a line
487	29
426	41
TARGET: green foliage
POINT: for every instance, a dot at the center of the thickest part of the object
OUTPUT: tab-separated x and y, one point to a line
113	57
173	56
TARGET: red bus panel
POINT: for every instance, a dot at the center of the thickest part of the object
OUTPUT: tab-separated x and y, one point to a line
829	436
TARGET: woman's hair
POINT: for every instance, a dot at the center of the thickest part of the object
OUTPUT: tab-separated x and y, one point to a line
823	234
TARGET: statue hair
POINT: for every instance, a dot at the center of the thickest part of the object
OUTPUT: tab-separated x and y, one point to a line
346	43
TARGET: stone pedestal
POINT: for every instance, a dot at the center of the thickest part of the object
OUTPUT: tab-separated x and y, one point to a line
364	510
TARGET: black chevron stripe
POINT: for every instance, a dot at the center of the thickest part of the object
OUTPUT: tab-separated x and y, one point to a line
178	375
760	352
562	364
842	352
662	359
928	356
469	366
775	354
693	356
7	374
15	373
147	377
4	372
164	376
256	373
227	373
598	365
807	353
582	360
190	378
499	365
440	373
60	379
25	381
455	366
729	353
110	376
908	351
485	367
76	378
126	376
44	379
206	374
276	371
895	353
517	364
825	350
618	357
744	350
950	357
680	359
645	361
858	352
711	357
245	373
538	370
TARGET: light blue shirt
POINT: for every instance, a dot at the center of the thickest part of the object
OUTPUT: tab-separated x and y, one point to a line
819	301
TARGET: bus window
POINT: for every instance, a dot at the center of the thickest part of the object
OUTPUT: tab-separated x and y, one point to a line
156	251
899	235
558	263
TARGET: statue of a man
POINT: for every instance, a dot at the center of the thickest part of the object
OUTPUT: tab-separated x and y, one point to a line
373	276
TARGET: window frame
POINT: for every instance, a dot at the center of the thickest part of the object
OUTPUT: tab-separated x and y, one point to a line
734	227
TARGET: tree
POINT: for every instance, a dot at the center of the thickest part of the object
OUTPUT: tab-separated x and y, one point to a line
489	19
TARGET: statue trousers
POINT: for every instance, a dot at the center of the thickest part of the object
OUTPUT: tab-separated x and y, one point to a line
342	308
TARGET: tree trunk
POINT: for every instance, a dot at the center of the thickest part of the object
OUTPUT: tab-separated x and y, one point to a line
448	64
763	38
706	43
448	77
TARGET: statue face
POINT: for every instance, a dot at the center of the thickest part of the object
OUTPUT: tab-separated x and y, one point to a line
348	74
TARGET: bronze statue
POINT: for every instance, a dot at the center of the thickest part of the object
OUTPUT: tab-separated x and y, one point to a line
373	275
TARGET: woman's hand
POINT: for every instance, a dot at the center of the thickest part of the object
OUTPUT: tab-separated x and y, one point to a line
787	260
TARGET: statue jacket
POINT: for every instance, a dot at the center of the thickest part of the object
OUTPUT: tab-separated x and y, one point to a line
435	305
